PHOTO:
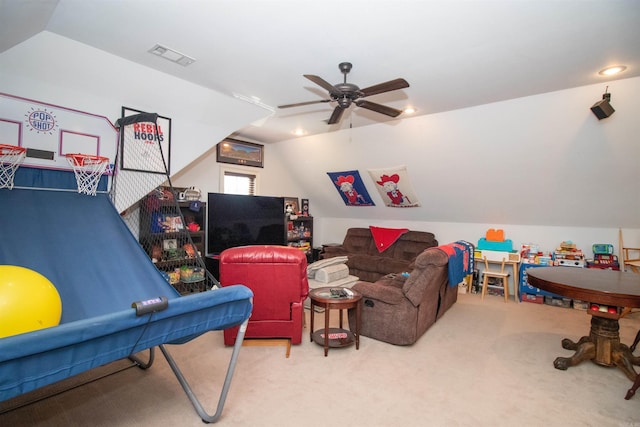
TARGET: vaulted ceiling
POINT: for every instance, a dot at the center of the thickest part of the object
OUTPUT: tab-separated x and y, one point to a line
454	54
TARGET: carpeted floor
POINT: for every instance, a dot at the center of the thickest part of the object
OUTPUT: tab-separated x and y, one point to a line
66	385
483	363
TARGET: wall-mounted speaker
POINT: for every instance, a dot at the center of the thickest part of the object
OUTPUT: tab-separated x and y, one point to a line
603	109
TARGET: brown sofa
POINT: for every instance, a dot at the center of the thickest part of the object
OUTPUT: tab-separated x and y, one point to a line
398	309
366	263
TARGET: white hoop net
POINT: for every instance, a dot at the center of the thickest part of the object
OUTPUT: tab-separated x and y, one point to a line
10	159
88	170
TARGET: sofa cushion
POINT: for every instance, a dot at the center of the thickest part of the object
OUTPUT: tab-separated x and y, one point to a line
359	240
377	264
410	244
408	250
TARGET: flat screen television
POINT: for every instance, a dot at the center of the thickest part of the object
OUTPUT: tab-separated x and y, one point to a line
239	220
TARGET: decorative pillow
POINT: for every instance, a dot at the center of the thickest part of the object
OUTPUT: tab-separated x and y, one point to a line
332	273
312	268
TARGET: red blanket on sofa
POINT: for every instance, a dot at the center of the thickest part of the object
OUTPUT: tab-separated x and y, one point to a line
385	237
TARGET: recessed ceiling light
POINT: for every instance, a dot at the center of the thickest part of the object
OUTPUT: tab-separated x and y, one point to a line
171	55
610	71
299	132
409	110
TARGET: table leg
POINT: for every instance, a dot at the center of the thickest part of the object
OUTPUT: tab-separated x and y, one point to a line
515	281
358	316
634	387
311	320
602	346
624	360
635	342
584	349
326	331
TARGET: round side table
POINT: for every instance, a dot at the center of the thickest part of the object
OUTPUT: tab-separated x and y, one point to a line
335	337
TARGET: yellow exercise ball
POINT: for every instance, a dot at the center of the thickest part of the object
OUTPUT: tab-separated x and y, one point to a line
28	301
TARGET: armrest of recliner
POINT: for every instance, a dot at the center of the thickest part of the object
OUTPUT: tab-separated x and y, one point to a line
385	290
333	251
430	272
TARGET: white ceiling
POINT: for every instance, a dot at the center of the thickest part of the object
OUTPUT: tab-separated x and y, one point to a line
454	54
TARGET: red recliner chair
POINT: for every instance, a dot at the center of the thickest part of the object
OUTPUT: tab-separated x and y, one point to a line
277	275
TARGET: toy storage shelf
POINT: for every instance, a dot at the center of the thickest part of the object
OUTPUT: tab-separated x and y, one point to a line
300	234
526	288
173	233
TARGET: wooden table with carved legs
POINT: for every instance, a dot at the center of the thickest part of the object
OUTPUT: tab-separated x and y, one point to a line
602	346
601	287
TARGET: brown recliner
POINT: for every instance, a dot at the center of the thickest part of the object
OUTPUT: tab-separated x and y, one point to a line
398	309
277	275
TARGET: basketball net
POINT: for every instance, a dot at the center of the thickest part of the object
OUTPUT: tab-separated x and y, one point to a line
88	170
10	159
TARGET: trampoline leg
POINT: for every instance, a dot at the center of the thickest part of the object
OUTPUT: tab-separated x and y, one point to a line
227	381
144	365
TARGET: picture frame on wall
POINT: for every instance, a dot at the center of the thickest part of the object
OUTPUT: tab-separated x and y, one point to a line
136	151
293	201
238	152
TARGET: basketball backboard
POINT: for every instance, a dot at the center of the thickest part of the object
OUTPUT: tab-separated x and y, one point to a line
49	132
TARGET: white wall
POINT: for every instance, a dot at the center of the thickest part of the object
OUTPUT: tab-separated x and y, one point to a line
547	237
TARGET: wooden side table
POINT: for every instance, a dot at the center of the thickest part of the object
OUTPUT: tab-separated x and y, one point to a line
335	337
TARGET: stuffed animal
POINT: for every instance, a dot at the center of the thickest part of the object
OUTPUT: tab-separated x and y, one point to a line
288	209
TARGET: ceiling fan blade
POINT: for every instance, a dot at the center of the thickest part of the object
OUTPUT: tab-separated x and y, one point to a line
336	115
385	87
322	82
303	103
378	108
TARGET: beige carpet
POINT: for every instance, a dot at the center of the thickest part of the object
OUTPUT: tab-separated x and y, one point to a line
483	363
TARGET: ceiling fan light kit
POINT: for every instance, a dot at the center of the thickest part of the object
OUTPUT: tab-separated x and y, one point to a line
346	94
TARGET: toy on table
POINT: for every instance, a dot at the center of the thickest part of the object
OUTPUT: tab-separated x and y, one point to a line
568	255
494	241
192	225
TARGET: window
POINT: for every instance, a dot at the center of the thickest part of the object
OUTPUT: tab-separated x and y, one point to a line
238	182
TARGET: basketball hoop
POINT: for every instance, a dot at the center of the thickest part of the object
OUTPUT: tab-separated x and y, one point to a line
10	159
88	170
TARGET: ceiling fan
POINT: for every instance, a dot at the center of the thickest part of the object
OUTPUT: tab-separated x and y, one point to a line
347	93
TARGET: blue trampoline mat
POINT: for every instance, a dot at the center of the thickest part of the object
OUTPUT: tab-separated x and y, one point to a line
83	247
